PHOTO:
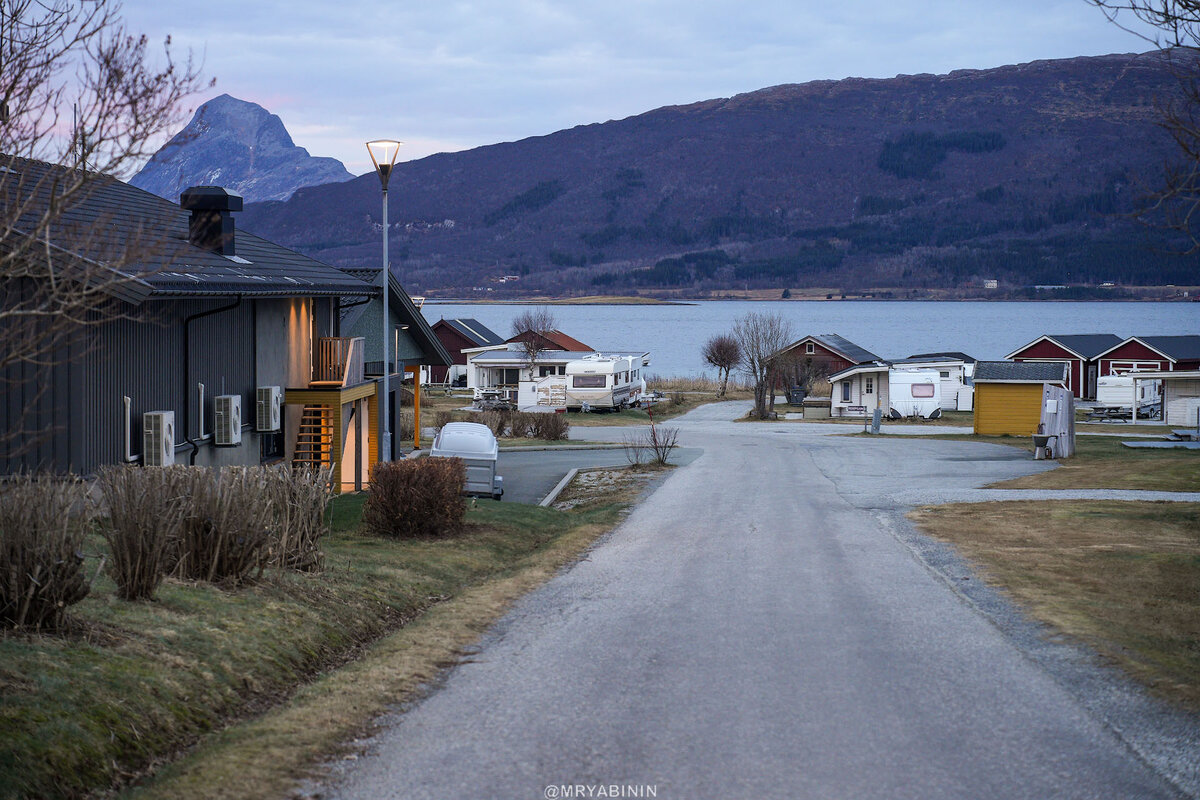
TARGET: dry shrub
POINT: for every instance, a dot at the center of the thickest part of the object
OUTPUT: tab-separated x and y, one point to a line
548	427
416	498
299	498
43	520
499	421
677	398
145	512
662	441
691	383
635	448
405	427
227	531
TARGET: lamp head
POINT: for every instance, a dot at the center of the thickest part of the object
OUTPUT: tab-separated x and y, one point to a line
383	156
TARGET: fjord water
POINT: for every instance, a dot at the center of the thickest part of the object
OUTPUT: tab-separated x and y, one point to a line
674	334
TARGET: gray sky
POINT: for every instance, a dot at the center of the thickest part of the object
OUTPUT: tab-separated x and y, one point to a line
444	76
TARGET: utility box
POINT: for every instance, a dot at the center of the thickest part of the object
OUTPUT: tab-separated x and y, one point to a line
476	445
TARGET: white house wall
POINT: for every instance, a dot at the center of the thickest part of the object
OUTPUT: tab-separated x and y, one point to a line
1181	400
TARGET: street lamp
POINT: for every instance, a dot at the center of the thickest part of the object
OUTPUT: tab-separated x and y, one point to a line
383	156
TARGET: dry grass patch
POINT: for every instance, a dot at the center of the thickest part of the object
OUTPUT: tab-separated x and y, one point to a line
1122	577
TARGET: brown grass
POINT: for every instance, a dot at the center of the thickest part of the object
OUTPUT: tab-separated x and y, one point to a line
1122	577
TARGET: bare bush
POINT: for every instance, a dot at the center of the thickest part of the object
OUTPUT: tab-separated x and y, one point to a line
636	448
299	498
416	498
549	427
692	383
227	532
43	520
530	328
405	427
662	441
443	418
145	509
499	422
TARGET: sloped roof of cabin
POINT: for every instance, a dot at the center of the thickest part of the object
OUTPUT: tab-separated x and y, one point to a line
1180	348
1020	371
952	355
431	346
116	223
472	329
1084	345
840	345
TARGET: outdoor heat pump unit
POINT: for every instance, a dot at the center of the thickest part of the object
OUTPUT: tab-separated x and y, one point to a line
158	438
267	408
229	420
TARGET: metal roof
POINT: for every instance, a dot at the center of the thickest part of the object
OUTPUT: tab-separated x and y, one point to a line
841	346
878	366
402	304
119	224
952	355
474	330
1178	348
1084	345
1020	372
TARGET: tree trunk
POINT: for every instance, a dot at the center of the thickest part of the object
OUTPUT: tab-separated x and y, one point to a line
724	381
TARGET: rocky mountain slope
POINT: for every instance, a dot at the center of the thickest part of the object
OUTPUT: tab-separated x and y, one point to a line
1019	173
240	146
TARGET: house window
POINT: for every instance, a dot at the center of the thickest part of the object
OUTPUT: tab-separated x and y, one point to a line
945	373
869	388
510	377
845	391
809	348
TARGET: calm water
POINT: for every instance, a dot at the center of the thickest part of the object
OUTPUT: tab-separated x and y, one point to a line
893	329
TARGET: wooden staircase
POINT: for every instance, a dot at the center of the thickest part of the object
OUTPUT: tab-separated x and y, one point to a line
314	445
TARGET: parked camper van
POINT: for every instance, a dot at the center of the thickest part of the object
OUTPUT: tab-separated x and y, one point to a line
915	393
604	382
1117	391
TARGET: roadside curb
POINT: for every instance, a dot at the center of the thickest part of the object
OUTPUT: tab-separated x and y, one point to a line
570	476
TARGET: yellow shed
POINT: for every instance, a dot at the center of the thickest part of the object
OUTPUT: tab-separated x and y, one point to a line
1008	395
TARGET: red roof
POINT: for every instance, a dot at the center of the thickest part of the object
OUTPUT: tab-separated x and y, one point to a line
554	340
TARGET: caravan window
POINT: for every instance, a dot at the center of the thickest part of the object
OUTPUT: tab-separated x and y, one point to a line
922	390
588	381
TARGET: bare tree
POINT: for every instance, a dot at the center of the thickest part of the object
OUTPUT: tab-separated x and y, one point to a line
1173	26
723	352
82	103
762	338
530	328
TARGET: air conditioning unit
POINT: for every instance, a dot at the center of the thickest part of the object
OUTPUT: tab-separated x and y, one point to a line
229	420
158	438
270	401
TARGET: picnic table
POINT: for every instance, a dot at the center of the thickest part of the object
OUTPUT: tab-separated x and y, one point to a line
1110	414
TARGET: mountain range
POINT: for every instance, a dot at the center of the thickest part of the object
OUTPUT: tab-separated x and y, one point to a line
240	146
1021	174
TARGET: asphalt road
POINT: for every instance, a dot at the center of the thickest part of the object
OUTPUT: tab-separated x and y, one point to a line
758	628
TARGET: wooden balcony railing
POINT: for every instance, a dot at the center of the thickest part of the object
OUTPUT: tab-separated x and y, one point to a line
339	361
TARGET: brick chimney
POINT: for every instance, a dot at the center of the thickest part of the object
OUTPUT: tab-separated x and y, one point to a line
211	225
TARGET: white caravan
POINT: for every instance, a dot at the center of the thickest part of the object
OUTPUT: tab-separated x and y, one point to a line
915	393
601	381
1117	391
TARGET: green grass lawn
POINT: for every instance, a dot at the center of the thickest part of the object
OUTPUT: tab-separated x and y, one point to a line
128	684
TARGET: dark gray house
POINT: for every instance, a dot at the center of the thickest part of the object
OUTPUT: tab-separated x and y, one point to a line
216	347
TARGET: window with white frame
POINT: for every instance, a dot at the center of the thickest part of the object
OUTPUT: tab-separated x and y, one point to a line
809	348
868	385
845	391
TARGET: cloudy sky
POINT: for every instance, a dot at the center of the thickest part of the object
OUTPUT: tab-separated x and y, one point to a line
452	75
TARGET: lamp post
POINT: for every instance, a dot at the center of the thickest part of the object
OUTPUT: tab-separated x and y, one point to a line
383	156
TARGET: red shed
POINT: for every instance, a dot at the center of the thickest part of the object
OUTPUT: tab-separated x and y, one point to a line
1079	351
455	335
1151	354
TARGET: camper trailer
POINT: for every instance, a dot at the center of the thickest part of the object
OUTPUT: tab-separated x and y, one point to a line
600	381
1117	391
915	393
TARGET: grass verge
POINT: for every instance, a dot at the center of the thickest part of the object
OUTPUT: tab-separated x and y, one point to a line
131	684
1102	462
1122	577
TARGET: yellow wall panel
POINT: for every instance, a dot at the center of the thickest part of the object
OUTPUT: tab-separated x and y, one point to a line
1007	408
